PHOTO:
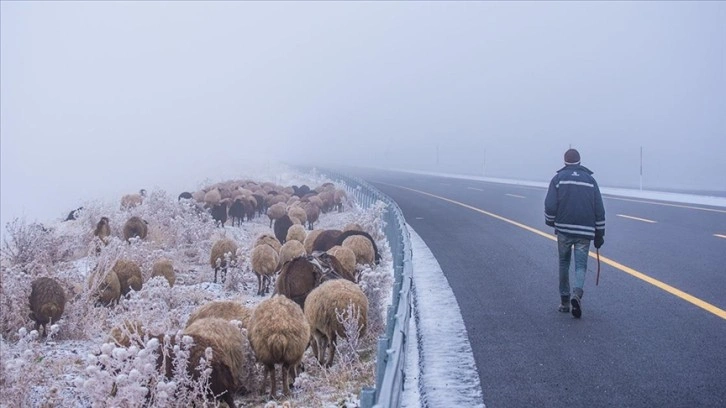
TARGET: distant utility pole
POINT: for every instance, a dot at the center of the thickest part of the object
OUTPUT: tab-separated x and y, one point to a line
641	168
484	165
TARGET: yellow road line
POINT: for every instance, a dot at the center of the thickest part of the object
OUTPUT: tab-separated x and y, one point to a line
692	207
630	271
719	235
514	195
636	218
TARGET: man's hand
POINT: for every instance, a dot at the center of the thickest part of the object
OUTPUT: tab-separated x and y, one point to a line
599	240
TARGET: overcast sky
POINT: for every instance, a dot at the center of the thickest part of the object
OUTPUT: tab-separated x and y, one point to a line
104	98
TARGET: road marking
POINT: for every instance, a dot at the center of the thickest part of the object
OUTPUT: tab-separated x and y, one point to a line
665	204
630	271
719	235
514	195
474	188
636	218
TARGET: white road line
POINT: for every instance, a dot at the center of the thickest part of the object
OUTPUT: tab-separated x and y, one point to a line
636	218
474	188
514	195
719	235
665	204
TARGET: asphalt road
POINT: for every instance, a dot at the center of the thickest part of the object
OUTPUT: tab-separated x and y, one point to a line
639	343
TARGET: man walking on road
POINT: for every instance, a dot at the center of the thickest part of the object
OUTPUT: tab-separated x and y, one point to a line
574	207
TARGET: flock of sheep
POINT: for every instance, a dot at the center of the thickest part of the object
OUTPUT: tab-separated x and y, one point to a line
315	274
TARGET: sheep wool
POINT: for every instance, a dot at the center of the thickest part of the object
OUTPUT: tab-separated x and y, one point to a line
353	226
362	248
129	275
296	233
135	227
47	302
164	267
267	239
265	261
320	309
212	197
231	353
290	250
103	230
346	257
310	240
107	287
223	309
222	250
276	211
299	213
279	334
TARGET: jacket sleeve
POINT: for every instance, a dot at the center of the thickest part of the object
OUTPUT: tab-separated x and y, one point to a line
599	213
551	203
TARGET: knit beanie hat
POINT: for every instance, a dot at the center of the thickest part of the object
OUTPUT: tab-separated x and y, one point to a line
572	156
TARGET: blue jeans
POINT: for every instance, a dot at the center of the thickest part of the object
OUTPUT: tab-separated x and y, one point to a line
564	248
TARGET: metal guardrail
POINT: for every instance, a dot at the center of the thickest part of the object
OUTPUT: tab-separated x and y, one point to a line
391	357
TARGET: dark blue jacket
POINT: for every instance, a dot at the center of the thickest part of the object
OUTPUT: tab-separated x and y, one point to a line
574	205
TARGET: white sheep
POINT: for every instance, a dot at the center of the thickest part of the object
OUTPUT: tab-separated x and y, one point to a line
223	256
362	248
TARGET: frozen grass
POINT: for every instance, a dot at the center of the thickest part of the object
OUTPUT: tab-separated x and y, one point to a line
78	365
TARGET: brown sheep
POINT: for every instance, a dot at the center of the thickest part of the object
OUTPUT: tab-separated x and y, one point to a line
328	199
269	240
276	211
342	237
103	230
265	261
302	274
129	276
47	302
310	240
107	287
164	267
229	358
326	240
321	307
362	249
135	227
127	333
298	212
222	309
130	201
312	212
291	249
296	232
279	334
346	257
353	226
339	198
222	250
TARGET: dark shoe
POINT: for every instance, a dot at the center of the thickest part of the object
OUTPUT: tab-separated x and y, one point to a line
576	311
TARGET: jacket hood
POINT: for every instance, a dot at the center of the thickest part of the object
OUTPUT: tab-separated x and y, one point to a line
576	166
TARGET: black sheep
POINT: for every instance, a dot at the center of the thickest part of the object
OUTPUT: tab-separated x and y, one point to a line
237	212
185	195
281	227
73	215
219	213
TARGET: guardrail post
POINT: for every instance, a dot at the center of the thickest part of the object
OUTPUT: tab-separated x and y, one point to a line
381	361
367	396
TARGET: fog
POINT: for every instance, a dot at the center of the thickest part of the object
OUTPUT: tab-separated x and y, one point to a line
99	99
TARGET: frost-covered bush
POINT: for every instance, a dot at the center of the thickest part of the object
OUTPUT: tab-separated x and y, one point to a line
30	245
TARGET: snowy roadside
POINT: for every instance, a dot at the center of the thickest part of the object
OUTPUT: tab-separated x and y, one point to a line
441	342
